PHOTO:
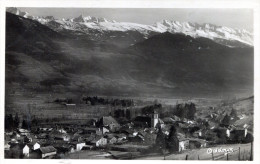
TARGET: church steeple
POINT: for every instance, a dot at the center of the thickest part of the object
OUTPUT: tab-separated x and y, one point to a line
154	119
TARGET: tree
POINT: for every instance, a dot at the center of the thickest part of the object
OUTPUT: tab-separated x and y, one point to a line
117	113
226	120
151	109
16	121
9	122
233	113
249	138
160	141
185	110
191	111
35	122
173	141
128	114
24	124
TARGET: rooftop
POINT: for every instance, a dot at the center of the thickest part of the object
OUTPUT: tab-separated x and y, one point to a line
47	149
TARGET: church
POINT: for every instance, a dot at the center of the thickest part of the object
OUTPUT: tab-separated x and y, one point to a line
150	120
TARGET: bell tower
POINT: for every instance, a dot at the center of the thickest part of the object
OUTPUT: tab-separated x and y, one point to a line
154	119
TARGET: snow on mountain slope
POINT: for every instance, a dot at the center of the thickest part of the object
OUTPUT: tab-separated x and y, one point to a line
206	30
17	12
82	24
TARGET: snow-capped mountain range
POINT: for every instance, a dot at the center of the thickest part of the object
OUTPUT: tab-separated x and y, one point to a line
83	24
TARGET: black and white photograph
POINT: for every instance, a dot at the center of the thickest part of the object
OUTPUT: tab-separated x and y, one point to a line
129	83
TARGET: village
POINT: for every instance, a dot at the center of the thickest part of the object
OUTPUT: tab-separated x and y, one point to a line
123	133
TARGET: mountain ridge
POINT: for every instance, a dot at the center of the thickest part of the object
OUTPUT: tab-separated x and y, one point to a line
220	34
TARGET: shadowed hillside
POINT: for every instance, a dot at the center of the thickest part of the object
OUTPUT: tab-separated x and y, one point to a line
41	60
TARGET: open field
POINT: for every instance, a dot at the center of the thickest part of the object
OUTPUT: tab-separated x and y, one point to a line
192	154
203	155
88	154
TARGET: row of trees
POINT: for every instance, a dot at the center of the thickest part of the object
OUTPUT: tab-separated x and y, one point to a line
114	102
187	110
151	108
119	113
65	100
226	121
12	123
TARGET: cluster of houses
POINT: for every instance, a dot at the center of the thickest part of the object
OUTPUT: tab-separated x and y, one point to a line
138	135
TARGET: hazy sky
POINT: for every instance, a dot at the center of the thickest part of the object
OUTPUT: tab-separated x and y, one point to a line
235	18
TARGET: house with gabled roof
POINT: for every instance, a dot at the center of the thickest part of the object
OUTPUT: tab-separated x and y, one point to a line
77	138
23	131
7	145
34	145
97	140
183	144
78	145
24	148
64	147
121	137
195	143
142	121
111	138
47	151
110	122
42	136
89	130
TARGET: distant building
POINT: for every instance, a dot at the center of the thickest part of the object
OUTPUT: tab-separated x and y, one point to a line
78	145
49	129
70	105
36	146
228	133
42	136
197	133
197	143
104	130
77	138
7	146
110	122
64	148
89	130
87	147
99	141
183	144
59	136
23	131
155	119
142	121
238	135
136	139
120	137
111	139
98	131
62	131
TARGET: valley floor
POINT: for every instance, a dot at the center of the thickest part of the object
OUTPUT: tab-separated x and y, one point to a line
194	154
203	155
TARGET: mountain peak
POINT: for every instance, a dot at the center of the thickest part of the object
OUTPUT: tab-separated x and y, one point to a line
16	11
79	19
50	17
